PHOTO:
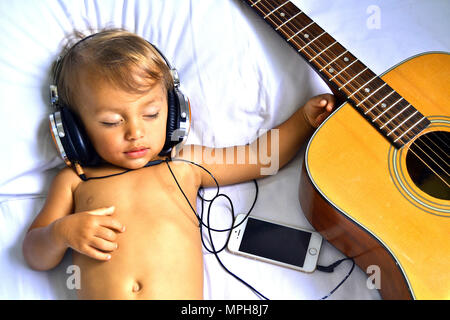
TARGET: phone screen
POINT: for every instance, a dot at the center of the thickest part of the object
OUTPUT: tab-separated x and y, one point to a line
275	242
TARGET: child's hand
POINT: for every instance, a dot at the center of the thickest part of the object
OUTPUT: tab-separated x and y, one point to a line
318	108
91	232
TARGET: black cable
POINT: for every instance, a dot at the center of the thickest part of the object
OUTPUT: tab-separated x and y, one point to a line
84	178
213	199
329	268
208	227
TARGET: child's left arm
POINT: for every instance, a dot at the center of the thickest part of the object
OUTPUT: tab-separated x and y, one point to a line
265	155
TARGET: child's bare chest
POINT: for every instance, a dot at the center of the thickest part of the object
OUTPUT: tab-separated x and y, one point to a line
147	193
158	221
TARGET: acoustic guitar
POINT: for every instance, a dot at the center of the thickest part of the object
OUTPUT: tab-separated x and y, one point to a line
375	179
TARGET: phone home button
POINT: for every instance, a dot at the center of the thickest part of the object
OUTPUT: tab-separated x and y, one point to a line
313	251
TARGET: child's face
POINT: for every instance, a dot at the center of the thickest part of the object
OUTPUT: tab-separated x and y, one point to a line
127	130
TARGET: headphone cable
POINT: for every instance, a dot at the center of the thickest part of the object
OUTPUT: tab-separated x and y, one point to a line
81	174
208	227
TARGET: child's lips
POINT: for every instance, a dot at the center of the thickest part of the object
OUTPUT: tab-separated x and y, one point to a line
136	152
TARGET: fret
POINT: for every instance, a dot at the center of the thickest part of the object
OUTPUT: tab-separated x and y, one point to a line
256	3
337	50
387	109
353	78
364	85
307	45
389	113
333	60
298	32
343	70
274	10
293	17
323	51
312	41
393	91
398	113
297	21
369	96
410	128
395	129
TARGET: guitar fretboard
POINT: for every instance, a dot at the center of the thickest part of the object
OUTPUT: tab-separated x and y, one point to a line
393	116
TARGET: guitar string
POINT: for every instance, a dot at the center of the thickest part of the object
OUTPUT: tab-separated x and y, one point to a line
271	13
443	160
358	88
417	145
426	164
429	167
325	53
444	142
312	41
437	136
356	91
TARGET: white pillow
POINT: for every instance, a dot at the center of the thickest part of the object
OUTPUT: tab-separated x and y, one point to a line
239	75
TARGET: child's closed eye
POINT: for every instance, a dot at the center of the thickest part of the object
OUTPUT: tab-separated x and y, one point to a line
110	124
116	123
152	116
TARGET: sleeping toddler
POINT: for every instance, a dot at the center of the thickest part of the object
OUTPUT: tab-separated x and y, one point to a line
134	235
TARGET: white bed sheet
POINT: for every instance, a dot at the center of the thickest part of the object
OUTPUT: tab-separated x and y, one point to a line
240	77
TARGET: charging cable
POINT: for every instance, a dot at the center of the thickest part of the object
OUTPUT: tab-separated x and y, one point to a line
327	269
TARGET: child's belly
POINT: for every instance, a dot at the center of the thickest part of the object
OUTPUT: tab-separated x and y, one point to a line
156	258
159	255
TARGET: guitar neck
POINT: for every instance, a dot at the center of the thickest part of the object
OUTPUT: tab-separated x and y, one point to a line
395	118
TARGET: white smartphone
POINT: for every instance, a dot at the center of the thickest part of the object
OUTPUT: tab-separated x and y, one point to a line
276	243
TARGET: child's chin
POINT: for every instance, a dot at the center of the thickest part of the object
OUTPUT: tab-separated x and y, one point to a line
136	164
132	164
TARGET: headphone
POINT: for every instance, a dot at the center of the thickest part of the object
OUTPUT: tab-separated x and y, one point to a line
71	139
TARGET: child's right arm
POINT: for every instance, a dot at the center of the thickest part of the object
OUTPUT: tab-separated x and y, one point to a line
55	228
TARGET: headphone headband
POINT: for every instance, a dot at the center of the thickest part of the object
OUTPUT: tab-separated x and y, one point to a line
60	59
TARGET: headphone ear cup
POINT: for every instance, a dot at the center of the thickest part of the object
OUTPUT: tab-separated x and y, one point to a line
173	107
76	143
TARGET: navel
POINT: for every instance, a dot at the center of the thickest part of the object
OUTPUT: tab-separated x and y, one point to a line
136	287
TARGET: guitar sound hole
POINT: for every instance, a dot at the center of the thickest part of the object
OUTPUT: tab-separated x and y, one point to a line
427	162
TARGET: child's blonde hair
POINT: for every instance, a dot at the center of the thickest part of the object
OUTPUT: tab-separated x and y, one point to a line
117	56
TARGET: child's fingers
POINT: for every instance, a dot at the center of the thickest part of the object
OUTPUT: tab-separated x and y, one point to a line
322	100
96	254
330	107
103	245
112	223
328	103
106	233
102	211
321	118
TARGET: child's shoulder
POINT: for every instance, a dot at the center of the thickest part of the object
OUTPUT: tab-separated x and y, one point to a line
66	178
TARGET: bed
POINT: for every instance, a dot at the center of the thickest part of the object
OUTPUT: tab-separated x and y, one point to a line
237	72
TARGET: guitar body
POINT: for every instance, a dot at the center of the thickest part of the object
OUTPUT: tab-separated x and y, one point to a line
357	192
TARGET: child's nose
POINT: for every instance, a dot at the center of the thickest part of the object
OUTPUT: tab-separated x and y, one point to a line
135	131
